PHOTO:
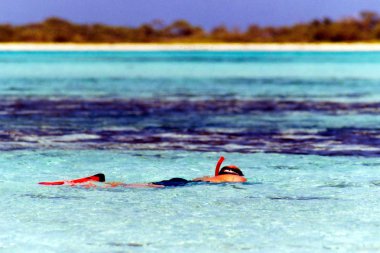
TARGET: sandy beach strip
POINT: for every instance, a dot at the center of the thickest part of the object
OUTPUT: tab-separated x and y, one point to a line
322	47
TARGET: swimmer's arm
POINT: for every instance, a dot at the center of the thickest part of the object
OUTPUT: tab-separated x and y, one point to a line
202	179
143	185
138	185
208	179
221	179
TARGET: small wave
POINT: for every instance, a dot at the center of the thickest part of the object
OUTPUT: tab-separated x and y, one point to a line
77	137
302	198
341	184
57	197
282	167
375	182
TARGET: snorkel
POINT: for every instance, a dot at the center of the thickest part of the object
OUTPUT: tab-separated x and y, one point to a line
217	168
230	169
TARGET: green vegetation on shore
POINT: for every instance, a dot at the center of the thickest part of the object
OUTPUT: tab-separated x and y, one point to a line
365	28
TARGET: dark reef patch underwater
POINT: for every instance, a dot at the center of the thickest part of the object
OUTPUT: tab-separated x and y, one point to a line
274	126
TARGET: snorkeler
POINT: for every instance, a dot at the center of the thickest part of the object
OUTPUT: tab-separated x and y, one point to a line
228	174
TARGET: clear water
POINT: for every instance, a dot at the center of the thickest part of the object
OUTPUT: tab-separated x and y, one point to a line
303	127
242	75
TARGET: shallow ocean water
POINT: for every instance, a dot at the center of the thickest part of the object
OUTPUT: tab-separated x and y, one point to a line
292	203
303	127
343	76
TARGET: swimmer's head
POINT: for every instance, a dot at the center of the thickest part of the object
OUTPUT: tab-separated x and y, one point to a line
231	170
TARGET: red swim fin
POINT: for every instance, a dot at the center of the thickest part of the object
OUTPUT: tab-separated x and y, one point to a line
97	178
217	168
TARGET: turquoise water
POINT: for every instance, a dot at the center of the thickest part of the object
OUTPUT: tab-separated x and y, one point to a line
303	127
292	75
291	204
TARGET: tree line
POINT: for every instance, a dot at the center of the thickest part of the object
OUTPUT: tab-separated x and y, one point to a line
365	27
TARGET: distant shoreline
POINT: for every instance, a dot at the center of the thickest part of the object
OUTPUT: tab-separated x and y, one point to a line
317	47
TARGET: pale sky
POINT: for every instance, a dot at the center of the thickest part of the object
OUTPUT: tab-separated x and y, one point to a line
207	13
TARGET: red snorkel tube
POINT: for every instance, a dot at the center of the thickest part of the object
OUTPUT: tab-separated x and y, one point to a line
221	159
